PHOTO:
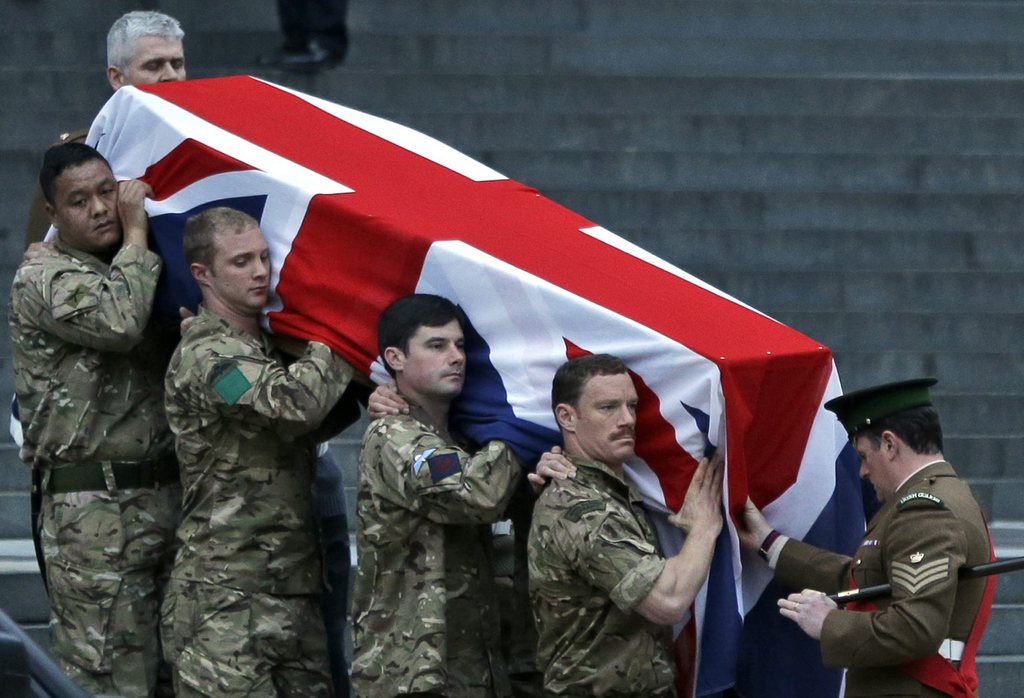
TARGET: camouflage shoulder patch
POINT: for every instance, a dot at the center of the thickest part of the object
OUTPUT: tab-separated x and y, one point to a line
443	466
576	511
229	381
920	498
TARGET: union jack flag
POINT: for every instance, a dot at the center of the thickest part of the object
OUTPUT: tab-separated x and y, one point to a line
359	211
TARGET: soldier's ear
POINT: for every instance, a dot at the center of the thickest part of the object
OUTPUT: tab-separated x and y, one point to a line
565	415
395	358
200	272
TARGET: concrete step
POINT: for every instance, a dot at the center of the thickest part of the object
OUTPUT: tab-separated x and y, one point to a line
721	133
968	21
21	587
671	216
907	330
969	369
637	170
904	291
477	92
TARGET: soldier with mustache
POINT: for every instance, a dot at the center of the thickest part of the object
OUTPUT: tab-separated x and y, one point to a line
603	595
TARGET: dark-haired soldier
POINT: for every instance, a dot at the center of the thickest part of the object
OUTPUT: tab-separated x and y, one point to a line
922	640
88	369
424	617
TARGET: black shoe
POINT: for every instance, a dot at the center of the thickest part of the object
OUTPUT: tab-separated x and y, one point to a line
312	59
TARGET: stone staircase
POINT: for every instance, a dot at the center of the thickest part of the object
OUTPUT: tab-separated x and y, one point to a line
853	168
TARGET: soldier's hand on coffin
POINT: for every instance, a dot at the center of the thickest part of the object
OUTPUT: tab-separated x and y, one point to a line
552	464
702	506
752	528
385	400
131	195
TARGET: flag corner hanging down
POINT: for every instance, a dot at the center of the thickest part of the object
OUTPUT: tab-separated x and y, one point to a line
358	211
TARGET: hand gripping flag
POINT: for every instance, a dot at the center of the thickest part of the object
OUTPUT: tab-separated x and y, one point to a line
358	211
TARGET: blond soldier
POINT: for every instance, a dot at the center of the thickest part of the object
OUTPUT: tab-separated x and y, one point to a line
242	611
602	593
921	641
88	373
423	608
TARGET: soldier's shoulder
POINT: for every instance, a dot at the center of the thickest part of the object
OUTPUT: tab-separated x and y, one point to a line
920	498
572	500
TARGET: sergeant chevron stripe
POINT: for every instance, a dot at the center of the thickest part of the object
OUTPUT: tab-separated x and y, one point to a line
913	578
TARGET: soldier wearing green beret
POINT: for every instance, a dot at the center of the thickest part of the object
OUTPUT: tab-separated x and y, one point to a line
922	640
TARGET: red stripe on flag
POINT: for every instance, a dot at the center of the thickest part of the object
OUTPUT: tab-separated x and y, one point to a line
188	163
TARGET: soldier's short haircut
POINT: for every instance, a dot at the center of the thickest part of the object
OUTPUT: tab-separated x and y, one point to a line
400	320
59	158
918	427
132	26
201	229
572	376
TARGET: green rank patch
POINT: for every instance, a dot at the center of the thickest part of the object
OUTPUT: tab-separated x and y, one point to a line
232	385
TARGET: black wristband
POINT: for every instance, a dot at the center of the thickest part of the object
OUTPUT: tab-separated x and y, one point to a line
766	544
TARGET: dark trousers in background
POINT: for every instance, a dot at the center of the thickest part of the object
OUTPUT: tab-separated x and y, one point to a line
323	21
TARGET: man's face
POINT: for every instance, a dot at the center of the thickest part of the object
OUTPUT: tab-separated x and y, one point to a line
875	466
156	59
435	366
602	425
84	208
239	277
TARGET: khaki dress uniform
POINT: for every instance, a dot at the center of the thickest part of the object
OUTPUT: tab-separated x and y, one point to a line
916	543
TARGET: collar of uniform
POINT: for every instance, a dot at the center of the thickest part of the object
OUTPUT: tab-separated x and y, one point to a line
598	470
939	468
420	415
208	322
90	260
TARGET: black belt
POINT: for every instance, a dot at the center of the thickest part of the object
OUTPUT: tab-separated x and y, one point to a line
89	477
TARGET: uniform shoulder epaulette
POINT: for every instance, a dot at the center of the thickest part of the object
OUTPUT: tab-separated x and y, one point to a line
576	511
920	499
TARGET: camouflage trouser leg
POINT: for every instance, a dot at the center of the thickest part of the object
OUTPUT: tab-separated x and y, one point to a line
107	556
224	642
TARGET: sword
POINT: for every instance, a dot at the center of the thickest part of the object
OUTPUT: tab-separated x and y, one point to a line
877	591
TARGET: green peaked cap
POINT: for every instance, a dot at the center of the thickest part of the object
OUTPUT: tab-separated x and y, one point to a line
858	409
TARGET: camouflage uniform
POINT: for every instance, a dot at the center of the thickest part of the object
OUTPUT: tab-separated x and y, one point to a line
241	615
593	557
88	374
423	608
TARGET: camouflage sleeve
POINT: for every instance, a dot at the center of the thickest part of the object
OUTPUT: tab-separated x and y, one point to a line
605	546
294	400
83	307
925	546
424	473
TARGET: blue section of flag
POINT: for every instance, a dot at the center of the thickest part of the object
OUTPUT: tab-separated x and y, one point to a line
722	623
775	657
176	287
483	412
703	422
